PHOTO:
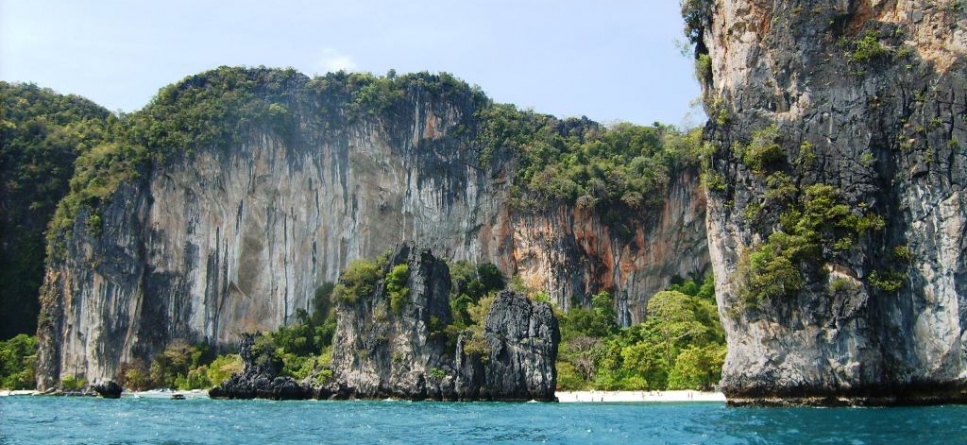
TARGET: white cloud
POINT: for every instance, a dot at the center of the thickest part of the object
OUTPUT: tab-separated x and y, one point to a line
332	61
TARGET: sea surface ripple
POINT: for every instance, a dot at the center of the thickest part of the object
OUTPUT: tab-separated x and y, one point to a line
54	420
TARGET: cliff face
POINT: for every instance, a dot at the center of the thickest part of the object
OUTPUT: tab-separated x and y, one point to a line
234	236
571	252
837	211
393	342
380	351
522	339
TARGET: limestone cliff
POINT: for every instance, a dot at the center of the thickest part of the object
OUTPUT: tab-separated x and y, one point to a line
241	191
837	213
518	362
380	351
392	341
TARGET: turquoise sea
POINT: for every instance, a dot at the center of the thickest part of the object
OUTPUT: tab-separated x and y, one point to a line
52	420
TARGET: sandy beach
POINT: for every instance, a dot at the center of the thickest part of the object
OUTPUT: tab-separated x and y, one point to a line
638	396
18	392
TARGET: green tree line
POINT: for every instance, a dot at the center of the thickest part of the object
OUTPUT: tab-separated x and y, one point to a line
680	345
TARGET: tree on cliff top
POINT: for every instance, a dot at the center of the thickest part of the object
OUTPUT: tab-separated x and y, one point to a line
680	345
620	171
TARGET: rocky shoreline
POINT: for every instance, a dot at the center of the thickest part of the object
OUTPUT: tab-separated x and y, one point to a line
404	354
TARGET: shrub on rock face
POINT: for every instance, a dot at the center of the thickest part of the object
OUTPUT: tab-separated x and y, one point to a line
396	286
223	367
72	383
359	279
260	378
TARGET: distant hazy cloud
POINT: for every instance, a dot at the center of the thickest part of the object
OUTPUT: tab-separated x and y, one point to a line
332	60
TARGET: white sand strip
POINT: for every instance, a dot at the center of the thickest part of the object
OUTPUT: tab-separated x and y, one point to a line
638	396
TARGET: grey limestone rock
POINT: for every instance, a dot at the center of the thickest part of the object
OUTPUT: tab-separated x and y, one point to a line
867	97
523	337
378	353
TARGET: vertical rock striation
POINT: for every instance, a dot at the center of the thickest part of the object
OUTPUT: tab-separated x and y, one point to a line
837	216
571	252
380	352
522	338
234	221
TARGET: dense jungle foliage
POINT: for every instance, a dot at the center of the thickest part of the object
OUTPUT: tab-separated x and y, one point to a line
680	345
41	135
18	357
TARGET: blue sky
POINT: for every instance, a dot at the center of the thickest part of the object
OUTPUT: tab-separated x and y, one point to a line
610	60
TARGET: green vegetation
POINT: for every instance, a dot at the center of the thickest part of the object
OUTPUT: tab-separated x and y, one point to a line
680	345
18	358
72	383
868	50
468	285
572	161
695	13
584	333
618	171
816	230
763	153
304	348
181	365
472	292
397	288
475	330
357	280
41	134
703	68
222	368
